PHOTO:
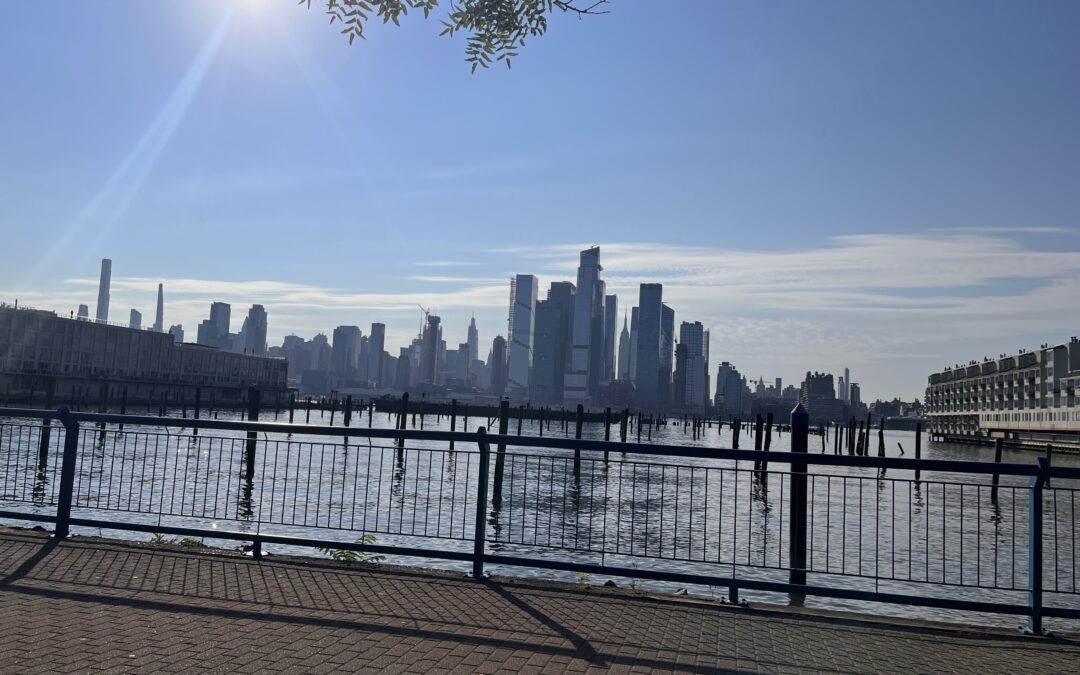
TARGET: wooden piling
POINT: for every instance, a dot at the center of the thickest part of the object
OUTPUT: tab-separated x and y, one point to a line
453	419
577	431
998	446
918	447
403	417
768	431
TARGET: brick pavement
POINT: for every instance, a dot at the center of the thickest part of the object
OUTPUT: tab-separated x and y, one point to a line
93	604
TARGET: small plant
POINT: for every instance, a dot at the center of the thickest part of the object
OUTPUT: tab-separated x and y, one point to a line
346	555
583	579
158	539
633	584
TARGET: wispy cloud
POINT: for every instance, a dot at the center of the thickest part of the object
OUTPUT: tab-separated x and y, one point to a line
448	263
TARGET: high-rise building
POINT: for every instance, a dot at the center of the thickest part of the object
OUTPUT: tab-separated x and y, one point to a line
667	354
389	368
473	340
818	395
855	397
136	320
84	312
551	344
345	350
611	327
497	365
214	332
429	350
520	328
321	353
633	343
692	383
159	315
845	388
576	383
650	319
103	290
376	347
255	327
177	332
624	352
730	390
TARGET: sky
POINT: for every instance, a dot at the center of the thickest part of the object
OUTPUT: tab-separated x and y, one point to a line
888	187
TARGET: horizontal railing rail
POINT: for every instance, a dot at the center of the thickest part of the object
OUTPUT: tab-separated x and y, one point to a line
780	457
741	519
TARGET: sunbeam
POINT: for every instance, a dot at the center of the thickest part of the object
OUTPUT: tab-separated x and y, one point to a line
111	202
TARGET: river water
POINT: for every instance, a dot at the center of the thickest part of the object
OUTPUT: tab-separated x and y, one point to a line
944	534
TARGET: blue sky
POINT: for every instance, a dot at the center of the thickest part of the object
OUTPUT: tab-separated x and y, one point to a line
892	187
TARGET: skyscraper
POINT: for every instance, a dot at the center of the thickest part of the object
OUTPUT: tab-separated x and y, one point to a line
667	354
650	318
730	387
632	370
214	332
255	331
103	290
136	320
693	342
551	344
624	352
345	350
474	341
520	327
576	383
845	394
84	312
497	365
596	340
159	315
611	327
177	333
429	350
376	347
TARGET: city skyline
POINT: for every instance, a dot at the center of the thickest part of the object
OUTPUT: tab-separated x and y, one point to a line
815	192
490	307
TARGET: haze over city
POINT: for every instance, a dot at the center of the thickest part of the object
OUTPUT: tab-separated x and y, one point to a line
815	204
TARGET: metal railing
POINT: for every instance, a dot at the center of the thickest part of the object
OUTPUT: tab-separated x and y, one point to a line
987	537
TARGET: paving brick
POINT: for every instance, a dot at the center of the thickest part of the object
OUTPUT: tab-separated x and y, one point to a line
91	604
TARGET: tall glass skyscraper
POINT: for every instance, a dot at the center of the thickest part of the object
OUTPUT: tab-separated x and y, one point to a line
521	323
650	317
576	384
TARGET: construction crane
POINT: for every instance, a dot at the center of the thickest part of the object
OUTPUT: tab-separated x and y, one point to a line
424	318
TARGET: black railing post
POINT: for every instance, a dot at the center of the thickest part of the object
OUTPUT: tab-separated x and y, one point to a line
1035	548
998	444
500	453
481	504
800	433
67	472
253	416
